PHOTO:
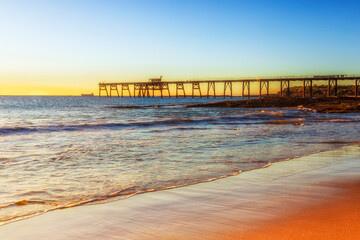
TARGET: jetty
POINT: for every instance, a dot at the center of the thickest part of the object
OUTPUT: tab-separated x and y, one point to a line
245	87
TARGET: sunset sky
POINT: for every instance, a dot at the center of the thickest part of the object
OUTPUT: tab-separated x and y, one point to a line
66	47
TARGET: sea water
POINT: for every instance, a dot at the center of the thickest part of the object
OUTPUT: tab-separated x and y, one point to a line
58	152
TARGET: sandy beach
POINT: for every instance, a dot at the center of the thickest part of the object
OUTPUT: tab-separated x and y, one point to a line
336	218
312	197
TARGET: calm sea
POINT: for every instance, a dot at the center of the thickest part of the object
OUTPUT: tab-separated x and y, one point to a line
59	152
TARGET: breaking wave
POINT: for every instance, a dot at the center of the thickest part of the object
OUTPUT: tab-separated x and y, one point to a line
263	117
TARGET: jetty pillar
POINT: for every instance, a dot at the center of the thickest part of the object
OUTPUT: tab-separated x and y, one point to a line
304	89
228	84
142	90
211	85
165	86
284	87
243	89
180	87
145	90
357	83
137	88
161	93
113	87
152	89
156	86
103	87
332	84
196	86
263	84
335	86
288	88
260	87
125	87
307	88
246	85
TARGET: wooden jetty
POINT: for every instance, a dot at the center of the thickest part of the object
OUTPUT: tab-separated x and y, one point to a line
197	88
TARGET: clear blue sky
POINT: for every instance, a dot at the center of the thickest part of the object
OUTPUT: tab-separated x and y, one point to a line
79	43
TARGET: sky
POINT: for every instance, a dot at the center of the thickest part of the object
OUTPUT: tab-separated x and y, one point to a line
67	47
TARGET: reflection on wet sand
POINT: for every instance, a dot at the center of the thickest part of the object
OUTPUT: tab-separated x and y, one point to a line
337	218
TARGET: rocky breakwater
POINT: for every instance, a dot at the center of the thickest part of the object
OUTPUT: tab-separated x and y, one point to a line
326	105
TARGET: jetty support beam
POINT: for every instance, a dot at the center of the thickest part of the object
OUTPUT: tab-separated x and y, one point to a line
180	87
137	87
228	84
263	84
113	87
284	88
211	86
196	86
307	88
125	87
145	90
332	84
246	85
152	89
102	87
165	86
157	86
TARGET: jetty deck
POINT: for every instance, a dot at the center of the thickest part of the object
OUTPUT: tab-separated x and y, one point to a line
244	86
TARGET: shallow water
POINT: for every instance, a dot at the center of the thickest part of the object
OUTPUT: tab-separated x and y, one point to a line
64	151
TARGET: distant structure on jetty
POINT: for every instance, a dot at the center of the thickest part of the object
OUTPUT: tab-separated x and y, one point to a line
155	80
211	87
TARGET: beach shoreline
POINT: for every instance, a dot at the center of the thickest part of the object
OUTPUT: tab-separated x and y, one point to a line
231	205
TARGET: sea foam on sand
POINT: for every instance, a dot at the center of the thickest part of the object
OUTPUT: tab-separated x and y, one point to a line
207	210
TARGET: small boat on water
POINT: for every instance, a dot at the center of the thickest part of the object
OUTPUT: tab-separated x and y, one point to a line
87	94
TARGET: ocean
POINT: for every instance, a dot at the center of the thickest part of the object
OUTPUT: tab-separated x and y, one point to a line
59	152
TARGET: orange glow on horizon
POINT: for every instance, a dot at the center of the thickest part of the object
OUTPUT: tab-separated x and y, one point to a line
44	90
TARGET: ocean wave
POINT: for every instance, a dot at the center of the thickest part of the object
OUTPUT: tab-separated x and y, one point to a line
180	122
95	126
332	142
27	202
287	121
145	106
269	114
334	120
126	107
264	117
178	129
344	120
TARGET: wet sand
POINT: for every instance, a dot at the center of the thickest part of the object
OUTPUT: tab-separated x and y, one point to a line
290	197
336	218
